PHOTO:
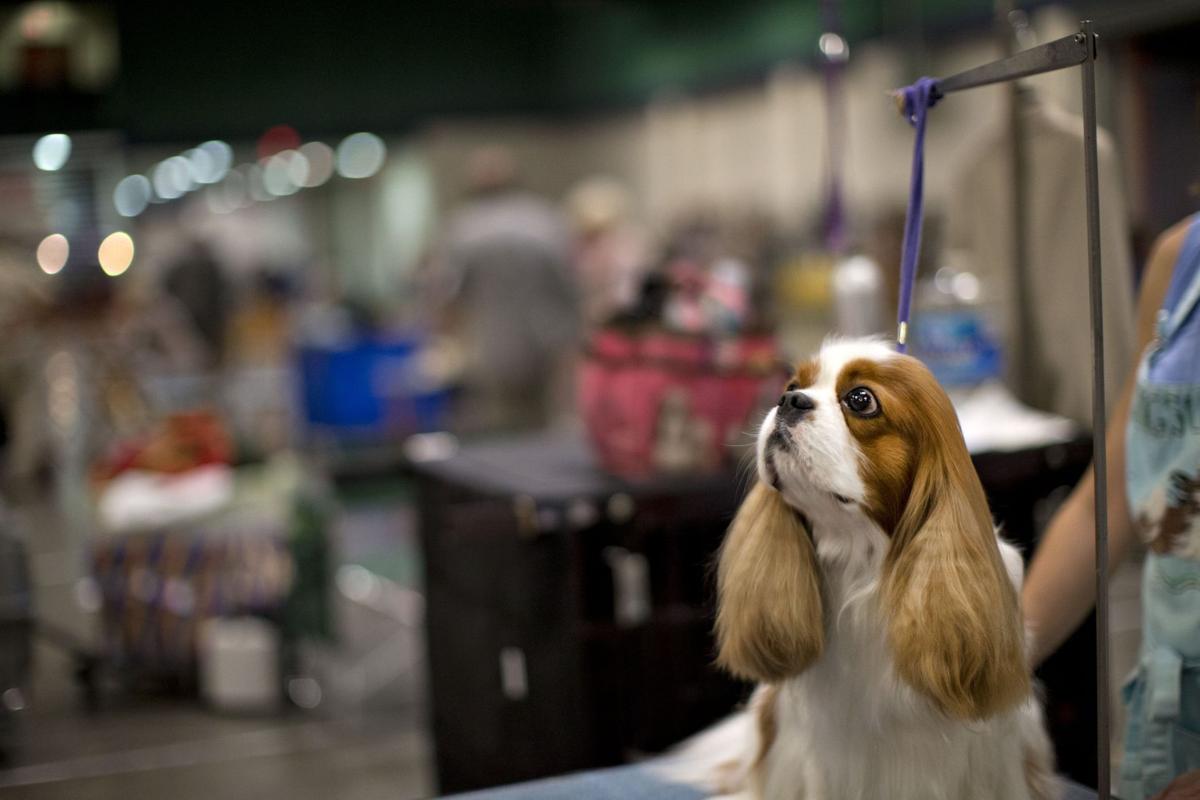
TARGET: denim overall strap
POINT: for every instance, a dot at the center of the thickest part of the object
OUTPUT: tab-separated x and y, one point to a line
1164	670
1154	694
1183	292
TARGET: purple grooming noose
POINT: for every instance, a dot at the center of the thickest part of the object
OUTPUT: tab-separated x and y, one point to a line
917	100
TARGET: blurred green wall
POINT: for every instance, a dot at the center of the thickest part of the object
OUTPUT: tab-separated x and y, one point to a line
194	69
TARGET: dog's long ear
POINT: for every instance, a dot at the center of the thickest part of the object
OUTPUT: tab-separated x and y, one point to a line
769	616
954	621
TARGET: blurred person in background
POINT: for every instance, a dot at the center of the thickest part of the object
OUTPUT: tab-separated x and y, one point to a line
258	375
1154	498
195	280
756	240
259	328
152	329
507	299
610	251
25	298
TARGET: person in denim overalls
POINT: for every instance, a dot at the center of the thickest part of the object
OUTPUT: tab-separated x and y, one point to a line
1154	444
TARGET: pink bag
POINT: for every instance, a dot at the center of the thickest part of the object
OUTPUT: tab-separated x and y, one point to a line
663	402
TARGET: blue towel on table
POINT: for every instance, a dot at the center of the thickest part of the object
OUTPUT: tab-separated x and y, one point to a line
620	783
629	783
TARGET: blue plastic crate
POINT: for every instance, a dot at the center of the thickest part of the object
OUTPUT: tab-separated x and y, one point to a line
369	387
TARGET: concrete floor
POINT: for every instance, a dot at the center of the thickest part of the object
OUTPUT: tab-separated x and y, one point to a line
366	741
183	753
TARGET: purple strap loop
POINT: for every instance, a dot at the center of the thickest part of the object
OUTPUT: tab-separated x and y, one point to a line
916	101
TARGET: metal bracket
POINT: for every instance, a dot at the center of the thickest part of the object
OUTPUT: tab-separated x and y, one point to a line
1069	51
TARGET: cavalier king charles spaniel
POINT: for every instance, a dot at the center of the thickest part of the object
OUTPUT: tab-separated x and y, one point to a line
863	586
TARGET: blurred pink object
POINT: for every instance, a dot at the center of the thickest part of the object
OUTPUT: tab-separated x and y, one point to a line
663	402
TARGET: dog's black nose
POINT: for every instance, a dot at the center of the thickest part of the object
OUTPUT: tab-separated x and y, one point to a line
794	405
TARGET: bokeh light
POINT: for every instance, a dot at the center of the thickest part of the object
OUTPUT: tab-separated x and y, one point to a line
277	177
132	194
210	161
116	253
360	155
172	178
200	165
833	47
320	163
966	287
38	20
304	692
297	167
51	152
14	699
62	388
181	172
222	155
52	253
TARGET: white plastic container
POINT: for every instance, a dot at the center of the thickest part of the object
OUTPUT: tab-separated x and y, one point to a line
239	665
858	297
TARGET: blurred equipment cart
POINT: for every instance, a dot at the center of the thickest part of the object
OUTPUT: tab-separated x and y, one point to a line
263	553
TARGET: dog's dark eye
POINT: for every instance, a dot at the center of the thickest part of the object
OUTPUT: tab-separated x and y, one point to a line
792	387
861	401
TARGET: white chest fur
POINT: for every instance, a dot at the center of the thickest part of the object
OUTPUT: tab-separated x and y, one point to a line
848	729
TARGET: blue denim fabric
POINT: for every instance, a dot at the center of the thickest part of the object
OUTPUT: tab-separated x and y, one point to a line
1162	739
1162	465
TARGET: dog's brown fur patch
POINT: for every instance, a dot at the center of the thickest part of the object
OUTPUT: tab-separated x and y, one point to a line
955	626
769	619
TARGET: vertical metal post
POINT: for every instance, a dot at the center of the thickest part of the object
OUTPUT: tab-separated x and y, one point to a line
1025	358
1099	455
